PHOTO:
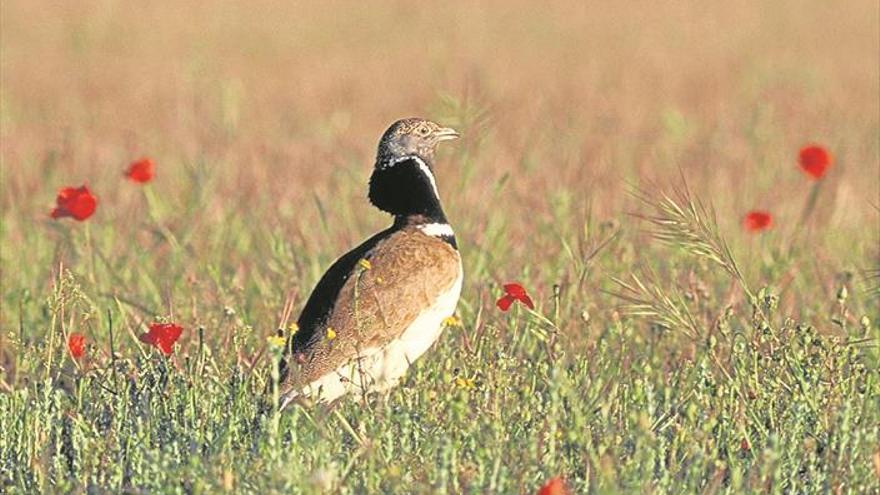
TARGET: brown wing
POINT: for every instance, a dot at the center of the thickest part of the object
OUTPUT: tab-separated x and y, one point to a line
408	271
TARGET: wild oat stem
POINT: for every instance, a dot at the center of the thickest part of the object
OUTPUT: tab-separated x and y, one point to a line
682	220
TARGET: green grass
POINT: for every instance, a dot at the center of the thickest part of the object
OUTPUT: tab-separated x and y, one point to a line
676	392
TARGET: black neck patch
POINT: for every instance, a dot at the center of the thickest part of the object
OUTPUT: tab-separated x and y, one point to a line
405	187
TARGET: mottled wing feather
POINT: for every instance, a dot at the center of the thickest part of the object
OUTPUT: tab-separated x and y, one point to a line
320	303
409	271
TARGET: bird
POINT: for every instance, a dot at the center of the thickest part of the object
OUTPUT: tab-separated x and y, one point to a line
383	304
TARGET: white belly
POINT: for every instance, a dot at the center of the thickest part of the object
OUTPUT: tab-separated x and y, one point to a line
380	368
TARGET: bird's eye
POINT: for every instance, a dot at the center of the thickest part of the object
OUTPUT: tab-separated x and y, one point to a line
423	130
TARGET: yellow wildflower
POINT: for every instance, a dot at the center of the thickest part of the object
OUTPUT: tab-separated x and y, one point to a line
465	383
365	263
293	328
331	334
451	321
275	341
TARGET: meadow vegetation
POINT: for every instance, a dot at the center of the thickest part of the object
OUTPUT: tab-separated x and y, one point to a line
609	156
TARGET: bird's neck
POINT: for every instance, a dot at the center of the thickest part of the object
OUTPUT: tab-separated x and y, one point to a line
406	188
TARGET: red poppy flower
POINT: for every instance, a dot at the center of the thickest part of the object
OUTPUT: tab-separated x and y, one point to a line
814	160
78	203
514	292
554	486
76	344
756	221
141	170
162	336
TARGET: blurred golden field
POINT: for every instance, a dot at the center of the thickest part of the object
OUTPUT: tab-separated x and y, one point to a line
283	100
263	119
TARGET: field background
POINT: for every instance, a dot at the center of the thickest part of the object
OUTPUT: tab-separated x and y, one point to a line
263	119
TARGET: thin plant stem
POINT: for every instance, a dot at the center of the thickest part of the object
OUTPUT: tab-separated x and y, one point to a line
91	250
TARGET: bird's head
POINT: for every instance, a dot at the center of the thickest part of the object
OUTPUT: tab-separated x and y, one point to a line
412	137
403	182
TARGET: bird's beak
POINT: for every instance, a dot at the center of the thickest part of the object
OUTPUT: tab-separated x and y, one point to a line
446	134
